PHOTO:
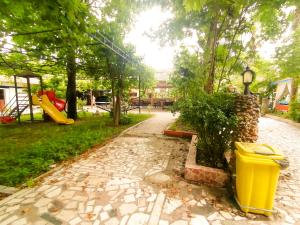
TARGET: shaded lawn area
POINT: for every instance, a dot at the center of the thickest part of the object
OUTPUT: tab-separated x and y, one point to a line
27	150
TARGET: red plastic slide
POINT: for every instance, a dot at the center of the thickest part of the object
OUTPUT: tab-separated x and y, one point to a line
58	103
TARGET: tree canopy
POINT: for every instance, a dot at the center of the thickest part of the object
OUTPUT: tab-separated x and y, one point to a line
227	33
71	38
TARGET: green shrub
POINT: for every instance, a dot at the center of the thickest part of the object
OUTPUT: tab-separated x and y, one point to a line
81	103
294	111
214	119
125	120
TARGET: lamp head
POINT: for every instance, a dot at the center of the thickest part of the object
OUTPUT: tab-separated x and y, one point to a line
248	76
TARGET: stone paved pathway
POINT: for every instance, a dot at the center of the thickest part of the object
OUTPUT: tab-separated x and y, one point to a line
285	137
135	180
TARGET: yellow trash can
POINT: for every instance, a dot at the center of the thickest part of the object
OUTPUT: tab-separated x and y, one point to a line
257	171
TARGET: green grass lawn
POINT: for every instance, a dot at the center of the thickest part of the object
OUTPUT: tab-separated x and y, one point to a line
27	150
284	115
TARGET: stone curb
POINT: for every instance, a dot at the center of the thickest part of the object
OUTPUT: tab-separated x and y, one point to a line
206	175
179	133
7	190
283	120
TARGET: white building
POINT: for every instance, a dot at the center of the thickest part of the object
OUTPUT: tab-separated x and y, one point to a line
7	89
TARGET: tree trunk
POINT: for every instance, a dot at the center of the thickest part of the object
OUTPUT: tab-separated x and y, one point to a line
113	95
295	85
296	80
210	55
117	108
71	86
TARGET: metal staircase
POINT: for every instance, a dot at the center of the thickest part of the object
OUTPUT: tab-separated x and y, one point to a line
16	106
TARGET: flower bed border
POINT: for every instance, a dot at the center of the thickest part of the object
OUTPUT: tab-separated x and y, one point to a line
203	174
179	133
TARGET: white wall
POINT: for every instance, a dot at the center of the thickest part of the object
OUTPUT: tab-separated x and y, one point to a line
9	93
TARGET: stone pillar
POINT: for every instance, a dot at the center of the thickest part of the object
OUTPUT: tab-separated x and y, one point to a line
247	110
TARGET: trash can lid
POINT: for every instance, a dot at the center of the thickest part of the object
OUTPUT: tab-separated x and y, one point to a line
258	150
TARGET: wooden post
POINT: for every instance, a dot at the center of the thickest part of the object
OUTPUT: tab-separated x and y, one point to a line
30	98
17	99
139	93
41	84
92	99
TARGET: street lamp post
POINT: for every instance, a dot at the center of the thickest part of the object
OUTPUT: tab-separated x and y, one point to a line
248	77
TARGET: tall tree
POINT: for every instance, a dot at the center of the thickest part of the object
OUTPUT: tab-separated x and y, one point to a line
219	27
51	28
288	55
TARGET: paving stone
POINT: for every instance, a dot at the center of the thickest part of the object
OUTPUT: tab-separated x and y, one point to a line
3	217
217	222
67	194
130	191
127	208
54	193
171	205
67	215
9	220
138	219
150	207
193	202
180	222
108	207
80	198
97	209
237	218
159	178
163	222
129	198
89	209
124	220
97	222
226	215
21	221
104	216
81	207
152	197
75	221
55	206
199	220
12	208
28	201
42	202
51	219
213	216
15	201
112	221
72	205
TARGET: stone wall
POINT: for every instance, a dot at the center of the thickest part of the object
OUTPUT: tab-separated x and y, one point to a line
247	109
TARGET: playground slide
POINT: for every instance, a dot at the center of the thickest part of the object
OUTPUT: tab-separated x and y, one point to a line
51	110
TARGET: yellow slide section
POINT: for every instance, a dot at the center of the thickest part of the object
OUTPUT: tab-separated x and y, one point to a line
51	110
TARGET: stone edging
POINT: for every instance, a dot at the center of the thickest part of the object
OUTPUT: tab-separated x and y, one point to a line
202	174
283	120
176	133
